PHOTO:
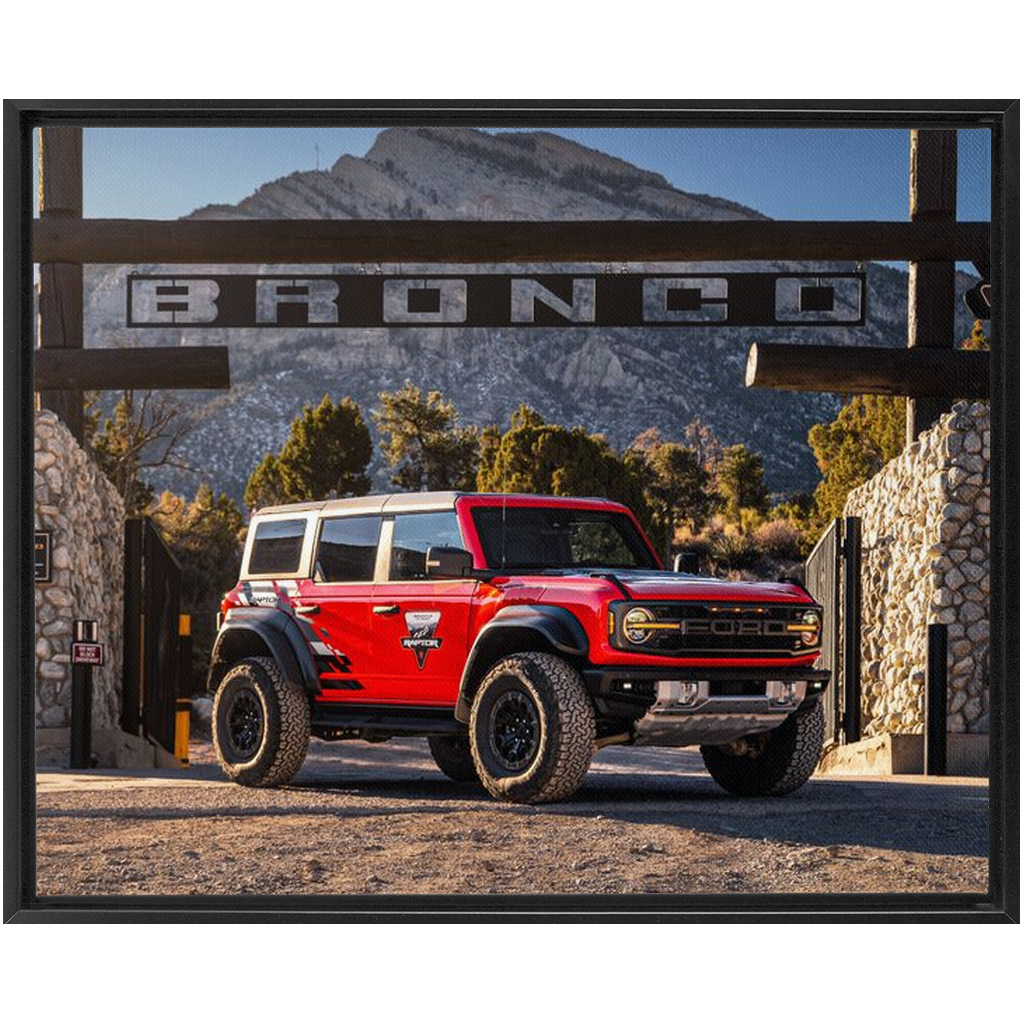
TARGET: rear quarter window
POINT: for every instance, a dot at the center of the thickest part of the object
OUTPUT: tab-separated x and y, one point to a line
277	547
347	550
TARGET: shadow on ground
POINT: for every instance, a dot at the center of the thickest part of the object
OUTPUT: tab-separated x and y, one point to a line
662	787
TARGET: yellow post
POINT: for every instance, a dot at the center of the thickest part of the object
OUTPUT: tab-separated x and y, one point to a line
181	717
183	705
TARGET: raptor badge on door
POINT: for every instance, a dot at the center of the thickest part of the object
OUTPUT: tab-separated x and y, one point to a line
421	639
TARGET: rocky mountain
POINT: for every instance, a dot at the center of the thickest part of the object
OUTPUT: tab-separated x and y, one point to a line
615	381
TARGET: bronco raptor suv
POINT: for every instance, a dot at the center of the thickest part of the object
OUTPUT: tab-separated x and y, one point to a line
518	633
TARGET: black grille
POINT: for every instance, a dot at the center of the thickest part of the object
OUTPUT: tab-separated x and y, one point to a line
720	630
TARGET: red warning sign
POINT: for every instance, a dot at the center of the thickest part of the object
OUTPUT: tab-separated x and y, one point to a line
86	654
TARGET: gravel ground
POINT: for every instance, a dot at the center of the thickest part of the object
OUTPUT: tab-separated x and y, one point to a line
364	818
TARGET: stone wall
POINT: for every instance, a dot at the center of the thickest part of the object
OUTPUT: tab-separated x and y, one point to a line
75	501
925	538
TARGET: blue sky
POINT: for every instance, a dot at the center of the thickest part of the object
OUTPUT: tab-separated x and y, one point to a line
799	174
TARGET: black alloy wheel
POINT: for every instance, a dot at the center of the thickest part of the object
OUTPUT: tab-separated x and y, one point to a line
514	730
245	723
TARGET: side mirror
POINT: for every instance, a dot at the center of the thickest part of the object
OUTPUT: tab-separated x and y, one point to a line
448	563
687	561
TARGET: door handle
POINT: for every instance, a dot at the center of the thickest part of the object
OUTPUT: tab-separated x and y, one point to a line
385	609
306	609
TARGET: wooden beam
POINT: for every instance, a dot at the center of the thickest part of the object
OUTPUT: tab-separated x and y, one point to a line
364	241
931	299
142	369
60	283
942	374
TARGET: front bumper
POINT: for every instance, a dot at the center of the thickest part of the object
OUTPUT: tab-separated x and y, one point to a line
685	707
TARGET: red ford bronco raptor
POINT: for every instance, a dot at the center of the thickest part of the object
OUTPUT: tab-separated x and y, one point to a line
518	633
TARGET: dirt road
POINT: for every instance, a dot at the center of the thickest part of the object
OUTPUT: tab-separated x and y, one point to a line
381	819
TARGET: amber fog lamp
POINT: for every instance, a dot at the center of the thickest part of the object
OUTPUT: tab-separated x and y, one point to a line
636	625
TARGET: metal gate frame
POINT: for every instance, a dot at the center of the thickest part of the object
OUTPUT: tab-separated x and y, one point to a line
832	574
152	598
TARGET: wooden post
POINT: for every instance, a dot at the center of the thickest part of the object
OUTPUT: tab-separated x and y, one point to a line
60	284
458	242
940	374
136	369
931	320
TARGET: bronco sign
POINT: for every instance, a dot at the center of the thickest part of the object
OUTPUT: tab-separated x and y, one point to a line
497	300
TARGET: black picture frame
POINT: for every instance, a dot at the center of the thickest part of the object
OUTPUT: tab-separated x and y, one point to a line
1001	903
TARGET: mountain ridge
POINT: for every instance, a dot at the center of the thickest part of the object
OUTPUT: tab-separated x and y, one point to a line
616	381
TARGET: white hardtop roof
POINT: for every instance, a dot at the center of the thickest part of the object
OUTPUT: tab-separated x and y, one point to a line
422	501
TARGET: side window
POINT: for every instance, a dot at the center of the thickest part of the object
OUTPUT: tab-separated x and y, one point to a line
416	532
347	550
277	547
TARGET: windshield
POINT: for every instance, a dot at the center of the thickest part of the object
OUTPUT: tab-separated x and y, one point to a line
550	537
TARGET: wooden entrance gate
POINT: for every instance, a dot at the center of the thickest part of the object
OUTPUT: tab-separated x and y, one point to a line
152	662
832	575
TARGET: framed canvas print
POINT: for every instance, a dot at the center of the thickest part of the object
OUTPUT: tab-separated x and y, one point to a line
588	511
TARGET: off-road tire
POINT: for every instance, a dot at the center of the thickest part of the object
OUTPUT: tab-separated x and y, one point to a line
285	724
565	729
452	755
788	759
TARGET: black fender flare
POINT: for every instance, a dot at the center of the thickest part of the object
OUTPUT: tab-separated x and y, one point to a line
553	627
247	631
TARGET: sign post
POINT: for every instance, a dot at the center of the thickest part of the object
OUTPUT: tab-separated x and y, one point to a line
85	652
936	688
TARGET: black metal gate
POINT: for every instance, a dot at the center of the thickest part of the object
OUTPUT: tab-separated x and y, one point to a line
152	593
833	578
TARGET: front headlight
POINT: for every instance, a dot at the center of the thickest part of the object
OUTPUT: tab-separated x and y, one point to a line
634	623
811	621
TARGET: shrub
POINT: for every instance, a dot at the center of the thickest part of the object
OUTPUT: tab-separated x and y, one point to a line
780	539
750	520
734	552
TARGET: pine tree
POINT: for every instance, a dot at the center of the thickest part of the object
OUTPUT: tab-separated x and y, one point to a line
676	484
265	486
423	442
325	455
534	457
741	482
868	432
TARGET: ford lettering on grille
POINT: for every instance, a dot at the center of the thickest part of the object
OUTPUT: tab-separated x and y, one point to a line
733	627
